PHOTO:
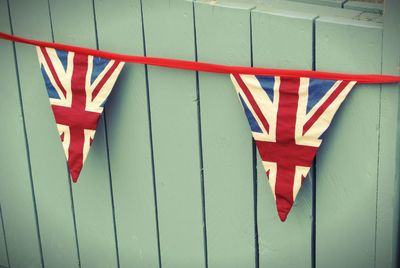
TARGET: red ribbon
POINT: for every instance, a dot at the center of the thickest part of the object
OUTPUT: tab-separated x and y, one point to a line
209	67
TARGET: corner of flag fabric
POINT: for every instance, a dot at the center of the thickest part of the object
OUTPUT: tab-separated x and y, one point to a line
287	117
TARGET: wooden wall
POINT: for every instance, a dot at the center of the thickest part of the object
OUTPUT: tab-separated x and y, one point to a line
173	179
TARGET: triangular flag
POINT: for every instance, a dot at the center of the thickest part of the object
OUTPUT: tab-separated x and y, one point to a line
78	86
287	117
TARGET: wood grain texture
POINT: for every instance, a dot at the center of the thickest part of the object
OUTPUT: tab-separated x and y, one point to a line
291	34
364	6
357	167
286	6
16	200
92	198
49	171
330	3
3	243
128	137
347	165
223	36
387	229
169	33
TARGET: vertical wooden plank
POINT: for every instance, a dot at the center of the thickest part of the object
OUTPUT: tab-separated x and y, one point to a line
283	40
387	232
364	6
46	153
17	207
3	245
348	158
92	197
169	33
128	137
288	5
223	36
330	3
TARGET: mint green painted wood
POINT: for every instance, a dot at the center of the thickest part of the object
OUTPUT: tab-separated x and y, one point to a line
282	6
169	33
330	3
223	36
347	164
3	245
357	169
387	229
364	6
128	137
92	198
46	154
15	188
373	17
283	40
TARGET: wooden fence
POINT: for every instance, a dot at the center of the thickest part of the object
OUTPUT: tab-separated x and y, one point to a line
172	179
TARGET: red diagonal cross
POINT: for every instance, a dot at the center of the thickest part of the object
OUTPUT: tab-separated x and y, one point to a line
285	152
76	116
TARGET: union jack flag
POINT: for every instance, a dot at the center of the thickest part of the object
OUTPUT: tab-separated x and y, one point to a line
287	117
78	86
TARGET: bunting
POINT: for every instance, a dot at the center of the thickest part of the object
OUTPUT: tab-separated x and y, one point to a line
288	110
78	86
287	117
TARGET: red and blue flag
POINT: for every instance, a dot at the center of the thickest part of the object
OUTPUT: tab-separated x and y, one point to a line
287	117
78	86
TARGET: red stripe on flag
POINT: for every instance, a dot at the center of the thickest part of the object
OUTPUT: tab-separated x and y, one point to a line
78	82
75	152
285	135
77	134
285	152
288	154
252	101
77	118
324	106
53	71
104	79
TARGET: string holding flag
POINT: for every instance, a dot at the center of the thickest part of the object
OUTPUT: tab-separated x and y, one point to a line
288	110
205	66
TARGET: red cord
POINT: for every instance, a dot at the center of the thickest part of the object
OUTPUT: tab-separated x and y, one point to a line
209	67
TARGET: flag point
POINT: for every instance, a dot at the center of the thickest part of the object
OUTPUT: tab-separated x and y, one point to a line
282	215
75	177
